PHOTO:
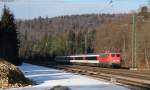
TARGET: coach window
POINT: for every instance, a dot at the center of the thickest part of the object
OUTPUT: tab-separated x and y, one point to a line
91	58
73	58
78	58
68	58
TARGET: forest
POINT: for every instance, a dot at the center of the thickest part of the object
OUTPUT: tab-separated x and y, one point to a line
74	31
90	33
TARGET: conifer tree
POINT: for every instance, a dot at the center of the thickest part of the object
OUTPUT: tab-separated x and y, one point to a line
9	41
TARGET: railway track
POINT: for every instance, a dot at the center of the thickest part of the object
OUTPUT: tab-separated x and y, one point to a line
136	79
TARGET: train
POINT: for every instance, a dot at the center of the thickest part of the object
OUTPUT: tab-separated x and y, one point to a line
107	59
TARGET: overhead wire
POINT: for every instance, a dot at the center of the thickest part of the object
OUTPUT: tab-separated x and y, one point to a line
109	5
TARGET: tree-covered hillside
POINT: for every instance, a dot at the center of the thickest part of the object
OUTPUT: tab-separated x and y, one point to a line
73	33
79	34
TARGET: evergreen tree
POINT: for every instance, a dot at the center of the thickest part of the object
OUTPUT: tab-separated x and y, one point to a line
9	41
0	30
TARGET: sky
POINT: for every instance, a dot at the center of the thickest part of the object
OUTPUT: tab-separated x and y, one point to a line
29	9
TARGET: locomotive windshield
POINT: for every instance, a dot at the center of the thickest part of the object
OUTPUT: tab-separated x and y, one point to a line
113	55
118	55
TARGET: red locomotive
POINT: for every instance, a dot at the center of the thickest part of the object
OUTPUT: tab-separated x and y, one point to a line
106	59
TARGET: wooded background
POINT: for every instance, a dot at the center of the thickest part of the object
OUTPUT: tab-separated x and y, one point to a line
90	33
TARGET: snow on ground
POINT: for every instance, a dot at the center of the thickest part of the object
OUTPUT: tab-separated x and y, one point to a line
46	78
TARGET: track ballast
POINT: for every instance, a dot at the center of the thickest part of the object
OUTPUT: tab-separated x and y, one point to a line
136	79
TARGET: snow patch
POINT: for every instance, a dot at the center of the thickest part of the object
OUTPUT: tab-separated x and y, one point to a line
47	78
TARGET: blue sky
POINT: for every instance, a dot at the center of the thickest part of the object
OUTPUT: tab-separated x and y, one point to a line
28	9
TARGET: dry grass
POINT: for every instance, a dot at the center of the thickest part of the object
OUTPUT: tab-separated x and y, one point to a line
11	76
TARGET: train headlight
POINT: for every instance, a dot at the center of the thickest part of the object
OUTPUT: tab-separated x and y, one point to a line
116	60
